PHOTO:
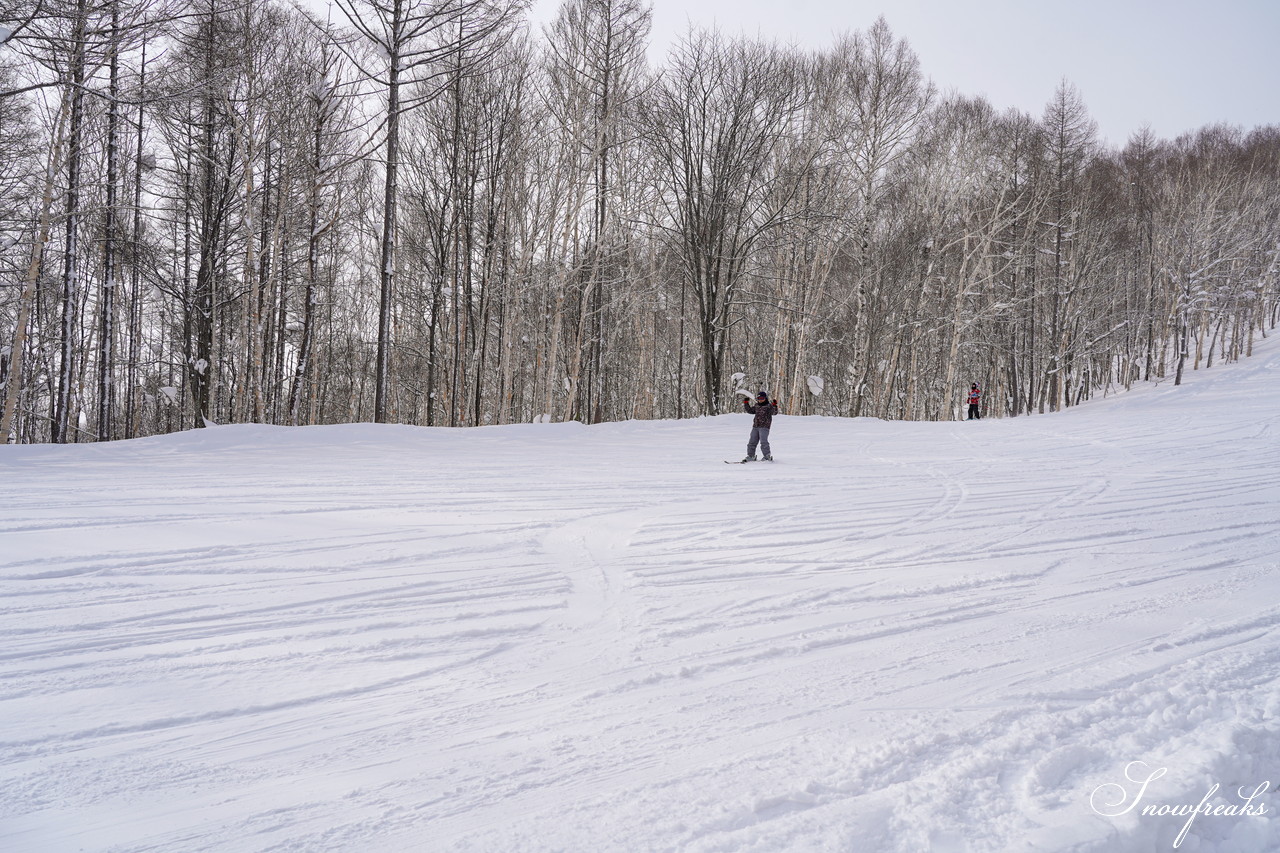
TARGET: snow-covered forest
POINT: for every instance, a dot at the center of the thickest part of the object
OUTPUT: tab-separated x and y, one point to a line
436	213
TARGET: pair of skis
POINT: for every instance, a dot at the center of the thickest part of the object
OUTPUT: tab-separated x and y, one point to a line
745	461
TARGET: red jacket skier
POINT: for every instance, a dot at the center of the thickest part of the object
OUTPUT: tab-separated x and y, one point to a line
975	394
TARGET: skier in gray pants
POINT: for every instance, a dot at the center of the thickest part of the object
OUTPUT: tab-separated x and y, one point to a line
764	412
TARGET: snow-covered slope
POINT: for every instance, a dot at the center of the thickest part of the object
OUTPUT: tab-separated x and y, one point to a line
900	637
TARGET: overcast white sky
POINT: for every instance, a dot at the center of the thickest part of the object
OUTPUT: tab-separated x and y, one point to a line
1172	64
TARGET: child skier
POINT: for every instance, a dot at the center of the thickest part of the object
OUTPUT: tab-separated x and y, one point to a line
975	394
764	412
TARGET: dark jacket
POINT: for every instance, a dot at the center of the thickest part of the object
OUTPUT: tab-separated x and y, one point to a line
764	413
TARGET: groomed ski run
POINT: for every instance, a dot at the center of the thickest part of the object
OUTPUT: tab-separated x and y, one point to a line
911	637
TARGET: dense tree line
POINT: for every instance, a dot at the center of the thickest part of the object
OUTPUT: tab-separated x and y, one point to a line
426	211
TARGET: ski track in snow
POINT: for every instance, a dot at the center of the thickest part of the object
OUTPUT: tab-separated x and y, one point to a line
901	637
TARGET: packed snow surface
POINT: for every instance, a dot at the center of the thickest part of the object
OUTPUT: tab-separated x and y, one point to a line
970	636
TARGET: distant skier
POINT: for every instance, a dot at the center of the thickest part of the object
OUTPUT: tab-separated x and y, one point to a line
975	394
764	412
